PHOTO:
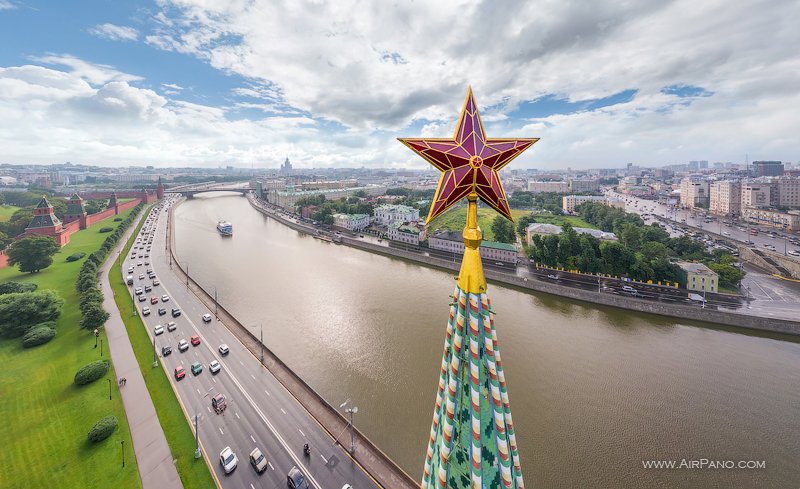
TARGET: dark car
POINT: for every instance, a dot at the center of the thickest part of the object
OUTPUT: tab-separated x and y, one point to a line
166	350
296	479
176	312
162	311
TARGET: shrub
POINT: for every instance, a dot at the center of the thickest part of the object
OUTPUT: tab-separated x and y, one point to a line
117	219
16	287
91	372
76	256
103	429
39	334
21	311
105	229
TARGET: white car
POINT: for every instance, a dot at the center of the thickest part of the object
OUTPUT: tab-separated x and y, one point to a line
183	345
228	460
214	366
158	330
223	349
145	311
206	318
164	298
130	270
171	326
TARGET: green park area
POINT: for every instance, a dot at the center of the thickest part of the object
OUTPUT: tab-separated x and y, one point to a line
574	221
456	218
6	211
46	417
193	472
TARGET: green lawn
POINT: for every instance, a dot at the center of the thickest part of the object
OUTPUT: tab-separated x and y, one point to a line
456	218
6	211
193	472
45	417
575	221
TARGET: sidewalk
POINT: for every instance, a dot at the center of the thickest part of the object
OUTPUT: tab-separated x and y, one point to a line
156	468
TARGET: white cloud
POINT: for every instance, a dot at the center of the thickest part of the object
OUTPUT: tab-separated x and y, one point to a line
93	73
171	88
380	67
7	5
115	32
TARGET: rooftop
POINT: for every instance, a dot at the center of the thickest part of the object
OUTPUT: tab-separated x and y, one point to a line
698	268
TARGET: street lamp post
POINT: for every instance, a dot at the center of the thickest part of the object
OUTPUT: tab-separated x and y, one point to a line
351	411
109	389
123	453
187	274
101	347
262	344
155	359
96	335
216	309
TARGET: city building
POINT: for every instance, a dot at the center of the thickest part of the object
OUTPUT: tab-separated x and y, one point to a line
756	194
570	202
725	198
767	168
788	192
286	167
584	185
351	222
406	232
699	277
75	209
557	187
388	213
454	242
789	221
160	189
287	198
112	201
694	193
45	223
543	229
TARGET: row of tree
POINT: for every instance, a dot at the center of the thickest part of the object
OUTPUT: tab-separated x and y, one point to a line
22	311
642	252
93	315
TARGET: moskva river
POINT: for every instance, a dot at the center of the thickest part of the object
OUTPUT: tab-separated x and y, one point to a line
595	392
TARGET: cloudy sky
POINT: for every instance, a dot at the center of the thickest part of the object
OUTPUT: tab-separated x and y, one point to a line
209	82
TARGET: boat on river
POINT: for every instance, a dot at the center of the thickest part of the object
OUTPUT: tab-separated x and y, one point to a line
225	228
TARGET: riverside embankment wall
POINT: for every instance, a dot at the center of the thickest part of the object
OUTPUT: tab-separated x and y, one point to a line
367	454
688	312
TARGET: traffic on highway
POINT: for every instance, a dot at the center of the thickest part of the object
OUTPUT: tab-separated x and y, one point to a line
250	429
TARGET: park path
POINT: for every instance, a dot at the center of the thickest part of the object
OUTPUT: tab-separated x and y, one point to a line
156	468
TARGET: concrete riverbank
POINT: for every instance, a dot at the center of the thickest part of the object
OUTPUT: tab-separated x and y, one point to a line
373	460
673	310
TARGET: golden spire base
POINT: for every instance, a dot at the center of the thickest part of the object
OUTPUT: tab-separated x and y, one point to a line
471	278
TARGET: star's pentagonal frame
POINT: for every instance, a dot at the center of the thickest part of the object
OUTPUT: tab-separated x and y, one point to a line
469	162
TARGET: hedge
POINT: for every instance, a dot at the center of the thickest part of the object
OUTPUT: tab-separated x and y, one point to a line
117	219
106	230
39	334
76	256
103	429
17	287
91	372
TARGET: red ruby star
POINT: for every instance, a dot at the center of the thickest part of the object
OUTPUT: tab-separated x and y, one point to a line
469	162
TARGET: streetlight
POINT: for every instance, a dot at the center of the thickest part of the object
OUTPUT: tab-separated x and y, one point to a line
262	344
101	347
155	359
187	273
215	303
96	335
123	453
351	411
196	431
109	389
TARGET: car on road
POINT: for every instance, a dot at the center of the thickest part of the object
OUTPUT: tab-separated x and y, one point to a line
146	262
258	460
141	276
726	233
629	290
162	311
183	345
148	288
154	300
206	318
553	277
164	298
130	270
195	340
138	290
197	368
156	282
176	312
158	330
228	460
223	349
171	326
139	264
166	350
180	372
145	311
218	403
142	298
296	480
214	366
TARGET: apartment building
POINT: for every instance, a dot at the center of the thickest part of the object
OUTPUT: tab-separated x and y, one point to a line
725	198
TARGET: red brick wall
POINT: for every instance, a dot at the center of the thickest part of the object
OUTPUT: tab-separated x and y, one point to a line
127	205
3	259
95	218
72	227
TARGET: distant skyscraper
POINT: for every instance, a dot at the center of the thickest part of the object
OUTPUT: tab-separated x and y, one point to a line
767	168
286	167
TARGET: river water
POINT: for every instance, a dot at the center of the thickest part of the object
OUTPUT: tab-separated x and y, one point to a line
594	391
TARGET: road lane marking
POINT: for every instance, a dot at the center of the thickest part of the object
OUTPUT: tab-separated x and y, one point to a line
267	393
270	466
323	459
253	376
198	391
283	411
301	432
214	379
251	437
252	486
237	415
220	431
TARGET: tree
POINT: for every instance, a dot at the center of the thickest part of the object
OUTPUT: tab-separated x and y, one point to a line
503	230
94	316
617	258
728	276
16	287
523	223
20	311
33	253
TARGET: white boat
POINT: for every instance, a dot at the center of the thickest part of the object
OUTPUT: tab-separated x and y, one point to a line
225	228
